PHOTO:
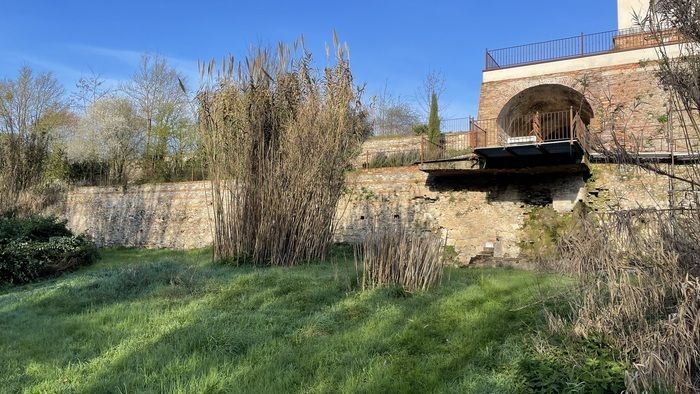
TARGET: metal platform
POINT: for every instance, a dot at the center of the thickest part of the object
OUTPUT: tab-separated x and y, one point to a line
552	157
570	148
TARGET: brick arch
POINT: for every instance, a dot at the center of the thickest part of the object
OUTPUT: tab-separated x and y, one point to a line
549	106
545	98
496	95
633	87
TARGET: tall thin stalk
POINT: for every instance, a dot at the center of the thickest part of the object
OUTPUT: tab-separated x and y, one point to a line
399	255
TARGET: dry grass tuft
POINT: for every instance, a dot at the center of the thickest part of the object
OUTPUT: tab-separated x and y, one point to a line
397	255
637	290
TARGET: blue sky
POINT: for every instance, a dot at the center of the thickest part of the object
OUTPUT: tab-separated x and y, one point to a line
393	43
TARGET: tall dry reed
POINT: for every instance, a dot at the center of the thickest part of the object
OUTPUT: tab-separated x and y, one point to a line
279	137
636	289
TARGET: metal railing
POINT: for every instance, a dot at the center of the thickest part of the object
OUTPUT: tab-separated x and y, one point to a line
528	129
578	46
536	128
457	125
390	158
531	128
539	127
450	146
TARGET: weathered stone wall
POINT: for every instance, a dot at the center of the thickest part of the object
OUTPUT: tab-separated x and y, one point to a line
170	215
393	143
468	212
613	187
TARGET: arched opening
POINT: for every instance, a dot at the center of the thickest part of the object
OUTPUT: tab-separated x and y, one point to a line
543	113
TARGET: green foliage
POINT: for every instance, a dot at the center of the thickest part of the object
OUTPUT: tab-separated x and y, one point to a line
34	247
420	129
542	230
56	167
584	366
26	261
434	120
31	228
89	172
449	254
595	173
394	159
166	321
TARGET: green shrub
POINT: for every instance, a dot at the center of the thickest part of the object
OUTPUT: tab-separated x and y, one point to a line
586	366
396	159
35	247
450	255
34	228
420	129
542	230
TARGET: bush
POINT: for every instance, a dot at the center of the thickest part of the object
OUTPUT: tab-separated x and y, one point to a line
584	366
420	129
542	231
259	127
35	247
637	290
32	228
89	172
396	159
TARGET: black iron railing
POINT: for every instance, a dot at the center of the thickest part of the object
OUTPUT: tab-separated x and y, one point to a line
455	125
532	128
462	136
577	46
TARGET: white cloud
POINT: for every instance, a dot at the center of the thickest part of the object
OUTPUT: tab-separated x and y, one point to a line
132	58
18	59
128	57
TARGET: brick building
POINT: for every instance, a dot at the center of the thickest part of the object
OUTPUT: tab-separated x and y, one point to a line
604	80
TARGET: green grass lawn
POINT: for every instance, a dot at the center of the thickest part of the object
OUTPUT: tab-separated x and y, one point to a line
165	321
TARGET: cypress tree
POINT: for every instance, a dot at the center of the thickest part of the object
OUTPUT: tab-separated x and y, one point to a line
434	121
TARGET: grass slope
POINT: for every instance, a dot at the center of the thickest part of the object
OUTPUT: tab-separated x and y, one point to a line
164	321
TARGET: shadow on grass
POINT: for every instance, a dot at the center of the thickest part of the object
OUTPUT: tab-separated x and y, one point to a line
184	326
294	337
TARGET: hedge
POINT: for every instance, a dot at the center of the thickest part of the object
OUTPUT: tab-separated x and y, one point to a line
35	247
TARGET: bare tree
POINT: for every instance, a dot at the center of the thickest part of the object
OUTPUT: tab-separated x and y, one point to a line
637	270
675	27
392	115
155	89
89	89
32	107
433	84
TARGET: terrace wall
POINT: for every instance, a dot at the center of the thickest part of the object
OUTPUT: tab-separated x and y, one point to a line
469	213
387	145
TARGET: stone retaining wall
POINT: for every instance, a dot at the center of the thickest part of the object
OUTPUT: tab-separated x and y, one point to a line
170	215
468	212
